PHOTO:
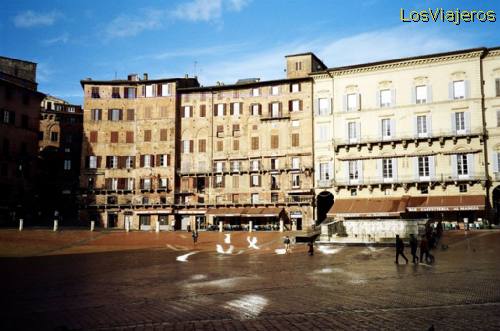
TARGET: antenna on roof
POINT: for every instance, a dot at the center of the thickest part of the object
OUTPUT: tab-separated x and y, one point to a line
115	74
195	64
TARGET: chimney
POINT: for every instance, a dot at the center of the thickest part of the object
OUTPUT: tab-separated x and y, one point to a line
186	76
145	76
133	77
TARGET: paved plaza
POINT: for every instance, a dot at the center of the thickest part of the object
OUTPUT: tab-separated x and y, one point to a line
116	280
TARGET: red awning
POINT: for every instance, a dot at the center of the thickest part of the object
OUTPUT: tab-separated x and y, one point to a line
447	203
373	207
262	212
225	212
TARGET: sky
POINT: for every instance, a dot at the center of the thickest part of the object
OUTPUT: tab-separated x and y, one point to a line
220	40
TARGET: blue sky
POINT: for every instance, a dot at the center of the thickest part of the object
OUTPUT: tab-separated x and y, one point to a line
227	39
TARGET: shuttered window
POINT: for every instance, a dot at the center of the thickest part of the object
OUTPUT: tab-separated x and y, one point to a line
93	136
275	141
147	135
114	137
163	134
220	146
255	143
295	140
202	146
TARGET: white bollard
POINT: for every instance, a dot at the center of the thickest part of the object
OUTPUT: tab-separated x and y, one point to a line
127	226
282	226
220	226
21	224
92	225
157	226
55	224
250	226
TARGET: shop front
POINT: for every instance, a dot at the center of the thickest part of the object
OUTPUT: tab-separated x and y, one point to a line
245	219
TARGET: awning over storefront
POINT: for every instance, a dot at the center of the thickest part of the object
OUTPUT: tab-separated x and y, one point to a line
446	203
154	211
225	212
191	211
381	207
261	212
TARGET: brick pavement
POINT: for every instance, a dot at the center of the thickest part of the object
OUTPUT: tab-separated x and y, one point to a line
352	288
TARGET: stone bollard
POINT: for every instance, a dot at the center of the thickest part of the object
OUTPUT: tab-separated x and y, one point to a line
92	225
127	226
250	226
220	226
56	224
21	224
282	226
157	226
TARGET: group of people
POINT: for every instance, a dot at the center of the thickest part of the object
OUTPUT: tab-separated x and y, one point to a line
428	241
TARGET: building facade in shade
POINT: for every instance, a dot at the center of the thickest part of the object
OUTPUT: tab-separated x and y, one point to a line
409	143
129	150
19	121
60	145
246	152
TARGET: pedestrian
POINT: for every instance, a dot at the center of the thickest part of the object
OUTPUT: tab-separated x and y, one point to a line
439	229
195	237
424	250
413	247
311	248
400	247
287	244
56	215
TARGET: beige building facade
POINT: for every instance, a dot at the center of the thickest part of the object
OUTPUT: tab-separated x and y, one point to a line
409	144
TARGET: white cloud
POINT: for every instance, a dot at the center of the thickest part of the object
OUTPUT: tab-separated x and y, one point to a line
56	40
30	19
207	10
360	48
44	72
127	26
193	52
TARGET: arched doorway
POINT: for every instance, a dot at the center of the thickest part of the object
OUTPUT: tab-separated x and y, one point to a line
324	201
496	204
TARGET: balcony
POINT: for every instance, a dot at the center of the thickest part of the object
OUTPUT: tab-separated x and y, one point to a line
324	183
405	138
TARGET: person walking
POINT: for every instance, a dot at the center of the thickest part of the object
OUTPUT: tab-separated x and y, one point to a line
424	250
287	244
400	247
195	237
413	247
311	248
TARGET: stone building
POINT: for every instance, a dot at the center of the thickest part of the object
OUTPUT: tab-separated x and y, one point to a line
407	143
129	150
19	121
60	145
246	152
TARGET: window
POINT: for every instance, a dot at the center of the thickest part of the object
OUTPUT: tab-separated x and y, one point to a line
275	109
295	162
323	106
295	123
254	180
112	162
147	112
146	184
96	114
421	94
386	128
236	181
324	132
92	162
165	90
422	126
387	172
67	164
54	136
298	65
130	115
219	181
498	118
295	140
114	115
255	92
130	92
219	166
274	164
256	109
459	89
275	141
236	129
295	105
423	167
93	136
129	162
147	135
163	134
462	188
219	110
147	161
255	198
294	88
95	92
274	197
352	101
295	180
115	94
235	109
236	145
187	111
353	170
497	87
235	166
462	165
385	98
164	160
6	116
220	146
275	90
187	146
274	182
163	183
114	137
202	146
130	184
324	171
354	192
424	189
129	137
149	91
352	133
460	122
203	111
254	165
255	143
